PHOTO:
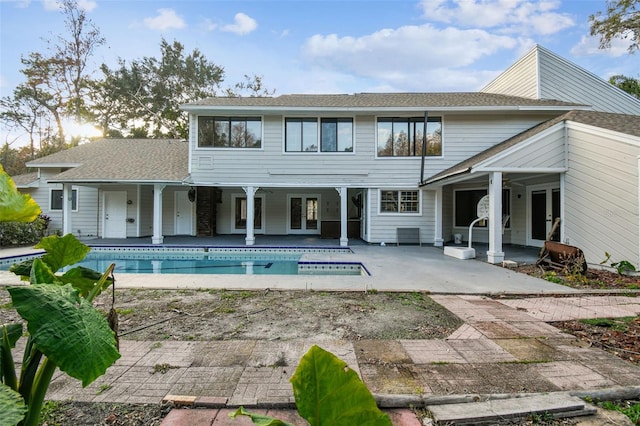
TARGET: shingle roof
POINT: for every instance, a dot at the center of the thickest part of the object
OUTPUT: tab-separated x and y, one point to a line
24	180
627	124
131	160
380	100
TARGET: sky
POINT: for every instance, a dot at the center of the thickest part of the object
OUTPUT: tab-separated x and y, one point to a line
320	46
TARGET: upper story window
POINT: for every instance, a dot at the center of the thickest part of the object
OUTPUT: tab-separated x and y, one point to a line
55	203
335	135
403	137
230	132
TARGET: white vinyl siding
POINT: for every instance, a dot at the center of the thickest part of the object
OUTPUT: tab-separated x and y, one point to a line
521	79
601	195
383	227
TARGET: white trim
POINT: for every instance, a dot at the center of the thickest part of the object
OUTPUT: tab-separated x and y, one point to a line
602	132
548	187
523	169
400	214
73	189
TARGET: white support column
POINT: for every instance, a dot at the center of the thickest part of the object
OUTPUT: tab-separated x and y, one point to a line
157	238
342	190
67	208
438	239
495	253
250	238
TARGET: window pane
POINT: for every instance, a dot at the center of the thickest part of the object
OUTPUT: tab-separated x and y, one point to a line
56	199
221	132
241	213
293	135
254	133
389	201
329	134
345	135
296	213
205	131
408	201
434	138
312	213
385	138
467	206
310	136
400	138
238	133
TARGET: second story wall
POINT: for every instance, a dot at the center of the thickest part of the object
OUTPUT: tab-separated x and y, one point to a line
463	135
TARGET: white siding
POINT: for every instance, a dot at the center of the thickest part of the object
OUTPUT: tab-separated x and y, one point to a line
563	80
383	226
541	74
544	151
601	195
521	79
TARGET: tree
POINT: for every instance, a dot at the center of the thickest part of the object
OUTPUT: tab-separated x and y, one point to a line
151	90
628	84
622	20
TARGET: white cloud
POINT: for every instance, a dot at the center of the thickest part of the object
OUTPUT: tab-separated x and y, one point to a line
165	20
53	5
87	5
589	46
509	16
409	56
243	24
209	25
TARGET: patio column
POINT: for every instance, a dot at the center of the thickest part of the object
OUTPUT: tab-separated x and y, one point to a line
157	238
342	190
495	253
67	208
250	238
438	240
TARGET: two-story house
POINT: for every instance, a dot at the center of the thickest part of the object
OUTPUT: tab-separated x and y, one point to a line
545	139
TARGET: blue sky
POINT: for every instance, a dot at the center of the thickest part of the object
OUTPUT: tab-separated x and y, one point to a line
329	46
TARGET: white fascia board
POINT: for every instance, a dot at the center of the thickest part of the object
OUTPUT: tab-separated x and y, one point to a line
53	165
115	181
265	110
278	185
522	169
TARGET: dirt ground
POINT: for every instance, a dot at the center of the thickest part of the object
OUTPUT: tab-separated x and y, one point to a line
273	315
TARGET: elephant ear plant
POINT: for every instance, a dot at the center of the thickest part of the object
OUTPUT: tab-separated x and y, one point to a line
64	329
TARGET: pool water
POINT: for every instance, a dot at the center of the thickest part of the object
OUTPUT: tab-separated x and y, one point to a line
255	262
193	264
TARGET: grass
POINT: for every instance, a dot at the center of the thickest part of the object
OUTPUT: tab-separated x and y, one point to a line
630	409
125	311
619	324
49	409
237	295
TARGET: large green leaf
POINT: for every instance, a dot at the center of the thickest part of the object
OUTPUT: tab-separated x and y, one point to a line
41	273
14	206
12	408
62	251
328	392
84	279
67	329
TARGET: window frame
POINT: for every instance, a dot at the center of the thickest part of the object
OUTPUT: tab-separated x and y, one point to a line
74	197
320	122
230	119
506	207
409	120
399	201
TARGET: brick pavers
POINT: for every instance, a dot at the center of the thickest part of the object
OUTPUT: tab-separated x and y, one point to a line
503	347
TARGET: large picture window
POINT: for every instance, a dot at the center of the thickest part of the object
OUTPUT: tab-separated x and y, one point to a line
301	135
55	203
230	132
403	137
392	201
466	206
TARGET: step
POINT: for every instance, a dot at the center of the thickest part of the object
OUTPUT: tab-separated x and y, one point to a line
558	405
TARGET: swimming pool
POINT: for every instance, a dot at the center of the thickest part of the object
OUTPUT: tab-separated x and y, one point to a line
208	260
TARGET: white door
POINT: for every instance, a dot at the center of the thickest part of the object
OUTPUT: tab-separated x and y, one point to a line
304	212
543	207
183	213
115	214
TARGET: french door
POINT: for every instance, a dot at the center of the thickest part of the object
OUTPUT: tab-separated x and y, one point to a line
303	214
240	214
543	203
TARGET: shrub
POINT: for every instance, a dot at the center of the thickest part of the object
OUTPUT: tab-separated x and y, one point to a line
19	233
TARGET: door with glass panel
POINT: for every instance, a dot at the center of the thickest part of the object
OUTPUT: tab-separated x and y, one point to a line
240	214
303	214
543	208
